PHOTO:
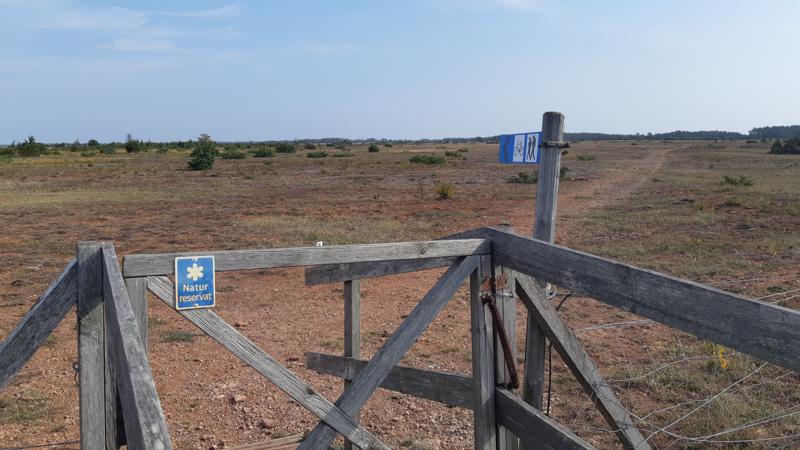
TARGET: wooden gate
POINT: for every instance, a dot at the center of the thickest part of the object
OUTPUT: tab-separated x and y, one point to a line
119	401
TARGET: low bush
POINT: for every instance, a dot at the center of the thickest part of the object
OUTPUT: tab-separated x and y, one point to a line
343	155
562	173
445	191
107	150
233	154
265	152
453	154
426	159
373	148
317	154
741	180
387	144
133	145
309	146
283	147
585	157
89	152
31	148
463	150
790	147
524	178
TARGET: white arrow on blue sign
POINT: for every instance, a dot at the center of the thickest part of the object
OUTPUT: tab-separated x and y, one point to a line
522	148
194	282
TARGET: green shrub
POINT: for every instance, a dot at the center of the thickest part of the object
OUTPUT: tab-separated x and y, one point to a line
89	152
309	146
265	152
31	148
562	173
373	148
427	159
585	157
453	154
132	145
343	155
317	154
387	144
107	150
741	180
283	147
463	150
524	178
233	154
203	154
445	191
92	143
790	147
163	149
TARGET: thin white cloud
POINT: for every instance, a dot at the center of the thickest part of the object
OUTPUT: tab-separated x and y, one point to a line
232	10
64	15
321	48
137	44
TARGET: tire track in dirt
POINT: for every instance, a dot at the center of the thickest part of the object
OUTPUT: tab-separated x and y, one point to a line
612	189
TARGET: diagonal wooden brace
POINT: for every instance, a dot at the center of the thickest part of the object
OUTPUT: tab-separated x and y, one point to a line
266	365
579	362
369	379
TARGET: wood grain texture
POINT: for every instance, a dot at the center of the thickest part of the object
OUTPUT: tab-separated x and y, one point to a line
145	426
91	346
483	383
580	363
451	389
768	332
163	264
334	273
37	324
352	330
266	365
369	379
534	429
544	230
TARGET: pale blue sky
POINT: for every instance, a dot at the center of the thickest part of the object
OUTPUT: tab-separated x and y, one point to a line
261	70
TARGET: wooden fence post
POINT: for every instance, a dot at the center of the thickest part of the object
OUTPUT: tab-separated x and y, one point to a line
352	329
507	307
483	376
91	349
546	202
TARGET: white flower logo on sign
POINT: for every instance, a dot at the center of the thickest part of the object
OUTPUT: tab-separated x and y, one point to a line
194	272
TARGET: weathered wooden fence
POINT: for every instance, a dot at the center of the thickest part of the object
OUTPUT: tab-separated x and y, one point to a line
119	402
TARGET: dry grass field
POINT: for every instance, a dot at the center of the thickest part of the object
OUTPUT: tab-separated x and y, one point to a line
722	213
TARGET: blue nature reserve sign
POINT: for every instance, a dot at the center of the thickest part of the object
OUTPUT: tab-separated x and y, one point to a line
194	282
520	148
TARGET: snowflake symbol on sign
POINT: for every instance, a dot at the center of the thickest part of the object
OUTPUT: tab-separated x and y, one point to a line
194	272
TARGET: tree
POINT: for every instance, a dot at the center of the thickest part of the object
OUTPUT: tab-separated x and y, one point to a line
203	154
132	145
92	143
777	147
31	148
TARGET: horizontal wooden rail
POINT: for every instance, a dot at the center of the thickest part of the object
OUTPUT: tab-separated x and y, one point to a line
246	350
164	263
533	428
145	426
335	273
765	331
451	389
38	323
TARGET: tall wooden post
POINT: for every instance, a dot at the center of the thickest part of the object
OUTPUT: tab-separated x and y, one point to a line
507	307
95	423
483	377
546	202
352	328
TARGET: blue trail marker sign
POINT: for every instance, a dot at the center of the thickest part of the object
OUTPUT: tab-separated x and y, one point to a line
194	282
520	148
